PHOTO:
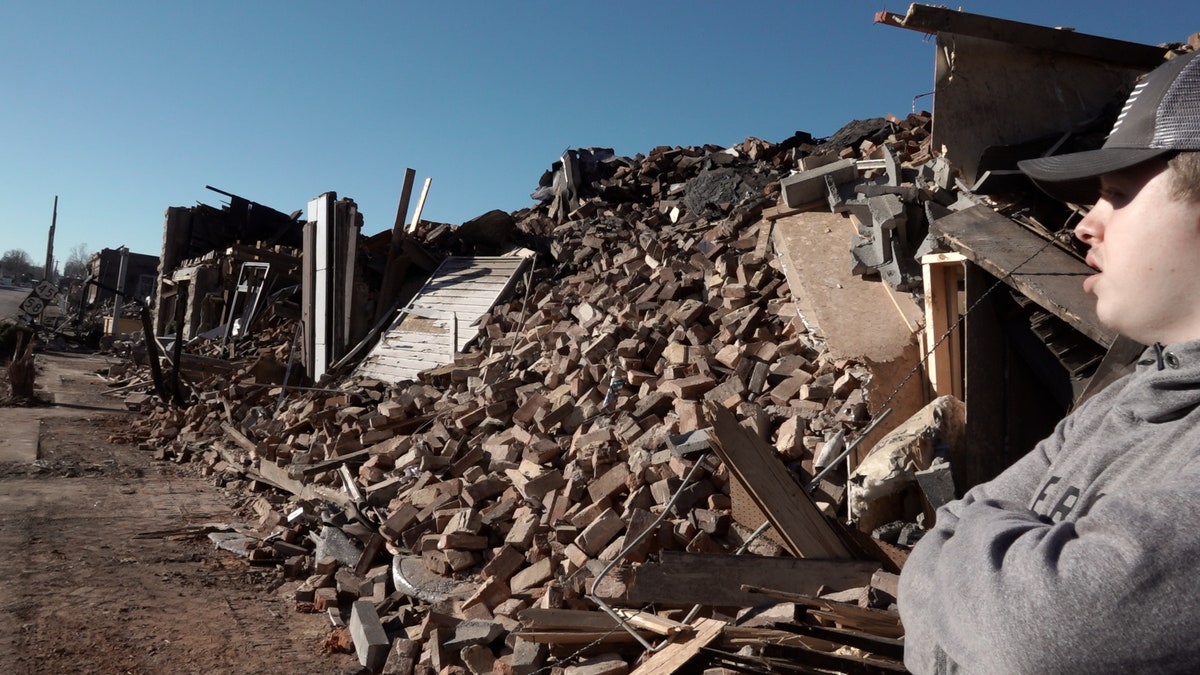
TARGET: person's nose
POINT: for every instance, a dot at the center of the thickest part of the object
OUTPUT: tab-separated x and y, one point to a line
1091	228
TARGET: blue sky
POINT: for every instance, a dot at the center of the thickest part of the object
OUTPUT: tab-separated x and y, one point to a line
123	109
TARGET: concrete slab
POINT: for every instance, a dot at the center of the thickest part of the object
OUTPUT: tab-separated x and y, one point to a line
858	319
19	442
63	379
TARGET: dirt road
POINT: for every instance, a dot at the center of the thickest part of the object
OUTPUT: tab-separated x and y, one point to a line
102	575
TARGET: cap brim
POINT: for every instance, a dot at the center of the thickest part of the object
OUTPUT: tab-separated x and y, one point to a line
1075	177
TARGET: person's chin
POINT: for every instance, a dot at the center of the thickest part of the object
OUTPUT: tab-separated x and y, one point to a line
1111	318
1121	323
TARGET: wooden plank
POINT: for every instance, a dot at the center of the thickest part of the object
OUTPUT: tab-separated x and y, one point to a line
880	622
396	264
790	510
930	19
1049	276
652	622
416	335
446	307
358	456
450	303
542	619
786	648
891	648
715	579
416	219
538	619
409	358
240	438
402	361
408	350
943	272
273	474
563	637
672	657
478	279
385	373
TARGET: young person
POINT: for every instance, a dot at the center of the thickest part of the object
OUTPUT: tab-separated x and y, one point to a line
1084	556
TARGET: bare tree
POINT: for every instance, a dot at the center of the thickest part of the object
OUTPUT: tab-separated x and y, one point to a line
76	265
15	262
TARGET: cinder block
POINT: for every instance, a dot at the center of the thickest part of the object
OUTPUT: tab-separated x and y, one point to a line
370	640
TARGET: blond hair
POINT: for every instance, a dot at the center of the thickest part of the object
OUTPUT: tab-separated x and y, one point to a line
1185	179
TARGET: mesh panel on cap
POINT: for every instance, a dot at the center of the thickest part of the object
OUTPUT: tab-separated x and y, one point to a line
1178	122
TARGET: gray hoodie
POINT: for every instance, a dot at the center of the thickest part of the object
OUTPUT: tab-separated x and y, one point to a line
1084	556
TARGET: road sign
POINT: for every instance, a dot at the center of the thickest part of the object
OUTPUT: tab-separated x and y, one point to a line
33	306
45	290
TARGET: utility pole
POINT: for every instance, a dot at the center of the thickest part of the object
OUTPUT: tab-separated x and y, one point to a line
48	270
119	298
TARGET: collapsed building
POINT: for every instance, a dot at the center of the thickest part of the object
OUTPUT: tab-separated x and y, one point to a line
120	270
694	404
119	275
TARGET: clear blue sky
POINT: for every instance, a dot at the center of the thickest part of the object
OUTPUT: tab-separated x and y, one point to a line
125	108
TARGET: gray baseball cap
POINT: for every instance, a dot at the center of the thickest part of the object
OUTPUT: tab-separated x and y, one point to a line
1161	116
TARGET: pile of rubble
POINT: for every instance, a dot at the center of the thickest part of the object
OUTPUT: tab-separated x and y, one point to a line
481	517
638	461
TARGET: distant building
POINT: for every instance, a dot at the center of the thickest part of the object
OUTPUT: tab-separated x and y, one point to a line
141	274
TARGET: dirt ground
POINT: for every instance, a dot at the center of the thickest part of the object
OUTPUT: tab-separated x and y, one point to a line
104	570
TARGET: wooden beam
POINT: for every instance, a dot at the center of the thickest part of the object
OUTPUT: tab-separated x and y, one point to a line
932	20
790	510
240	438
410	177
396	266
880	622
541	619
416	220
562	637
943	273
715	579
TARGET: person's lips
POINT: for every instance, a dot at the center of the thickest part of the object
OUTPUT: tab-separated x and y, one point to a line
1090	281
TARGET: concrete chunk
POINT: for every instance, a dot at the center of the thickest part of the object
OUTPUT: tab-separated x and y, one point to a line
471	633
937	483
809	186
370	641
887	211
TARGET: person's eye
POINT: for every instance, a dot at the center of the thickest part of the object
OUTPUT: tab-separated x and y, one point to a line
1113	196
